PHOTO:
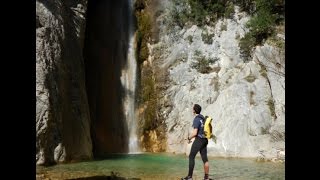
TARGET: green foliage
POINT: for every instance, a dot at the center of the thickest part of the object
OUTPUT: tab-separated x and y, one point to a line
277	42
150	116
271	107
246	44
143	35
265	130
267	14
179	13
202	63
197	12
229	12
278	10
190	39
205	12
261	25
148	82
246	5
148	94
218	8
223	27
207	37
200	12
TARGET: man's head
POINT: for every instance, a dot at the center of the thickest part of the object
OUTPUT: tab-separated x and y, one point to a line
197	108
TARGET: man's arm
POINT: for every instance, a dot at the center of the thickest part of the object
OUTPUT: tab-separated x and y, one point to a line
194	133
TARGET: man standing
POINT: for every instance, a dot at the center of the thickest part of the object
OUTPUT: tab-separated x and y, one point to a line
200	143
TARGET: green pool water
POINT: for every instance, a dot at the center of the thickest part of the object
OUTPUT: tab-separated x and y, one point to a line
164	166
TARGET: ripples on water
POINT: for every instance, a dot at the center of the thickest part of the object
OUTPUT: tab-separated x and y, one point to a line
163	166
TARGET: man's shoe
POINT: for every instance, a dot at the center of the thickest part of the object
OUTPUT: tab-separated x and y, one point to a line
187	178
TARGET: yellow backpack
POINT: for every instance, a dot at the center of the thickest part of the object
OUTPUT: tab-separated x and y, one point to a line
208	127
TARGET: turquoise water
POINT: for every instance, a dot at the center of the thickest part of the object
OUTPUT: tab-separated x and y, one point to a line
165	166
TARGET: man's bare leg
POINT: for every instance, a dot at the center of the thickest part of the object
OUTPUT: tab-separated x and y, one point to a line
206	169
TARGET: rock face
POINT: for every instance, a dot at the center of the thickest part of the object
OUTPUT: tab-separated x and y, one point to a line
81	50
245	99
62	113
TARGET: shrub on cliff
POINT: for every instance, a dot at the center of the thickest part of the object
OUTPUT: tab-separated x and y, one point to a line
201	63
266	16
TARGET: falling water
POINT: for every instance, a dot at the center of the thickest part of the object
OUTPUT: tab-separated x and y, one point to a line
128	80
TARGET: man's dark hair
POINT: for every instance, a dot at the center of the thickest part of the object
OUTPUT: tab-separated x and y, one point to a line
197	108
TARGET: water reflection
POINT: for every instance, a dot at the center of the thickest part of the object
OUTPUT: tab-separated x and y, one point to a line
163	166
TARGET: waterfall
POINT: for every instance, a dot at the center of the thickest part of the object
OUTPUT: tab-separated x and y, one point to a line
128	80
